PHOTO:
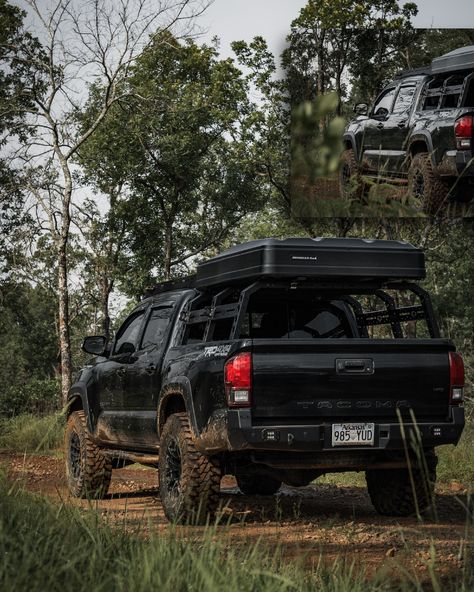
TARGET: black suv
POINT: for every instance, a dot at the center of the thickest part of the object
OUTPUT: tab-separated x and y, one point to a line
419	132
280	362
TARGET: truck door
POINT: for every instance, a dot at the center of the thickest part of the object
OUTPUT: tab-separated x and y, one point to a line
111	376
395	132
373	158
142	380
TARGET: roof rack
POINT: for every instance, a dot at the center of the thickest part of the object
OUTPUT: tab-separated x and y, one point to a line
171	286
425	71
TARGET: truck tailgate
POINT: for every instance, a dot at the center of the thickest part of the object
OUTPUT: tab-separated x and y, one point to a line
298	381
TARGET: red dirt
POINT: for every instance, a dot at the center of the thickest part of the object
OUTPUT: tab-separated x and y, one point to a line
304	524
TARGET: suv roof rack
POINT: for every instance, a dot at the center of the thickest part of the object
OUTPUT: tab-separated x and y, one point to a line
171	286
425	71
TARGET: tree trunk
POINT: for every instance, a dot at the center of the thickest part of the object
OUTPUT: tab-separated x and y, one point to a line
104	305
64	335
168	251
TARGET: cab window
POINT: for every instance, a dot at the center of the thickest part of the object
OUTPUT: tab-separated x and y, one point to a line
128	334
156	326
404	100
383	105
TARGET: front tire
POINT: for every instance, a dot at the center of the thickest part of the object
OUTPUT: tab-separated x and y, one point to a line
88	471
189	480
424	186
393	494
350	179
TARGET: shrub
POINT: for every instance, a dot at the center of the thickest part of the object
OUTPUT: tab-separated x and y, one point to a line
36	397
27	433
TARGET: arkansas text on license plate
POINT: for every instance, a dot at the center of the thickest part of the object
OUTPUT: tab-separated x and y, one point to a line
353	434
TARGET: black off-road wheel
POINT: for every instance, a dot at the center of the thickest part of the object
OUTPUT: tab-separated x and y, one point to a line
393	494
257	484
425	188
189	480
88	470
350	179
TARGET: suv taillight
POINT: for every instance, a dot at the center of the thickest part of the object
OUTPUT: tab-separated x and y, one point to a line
464	129
456	371
238	380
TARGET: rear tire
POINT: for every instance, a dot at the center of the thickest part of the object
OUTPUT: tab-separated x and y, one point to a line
392	493
88	471
257	484
424	186
350	179
189	480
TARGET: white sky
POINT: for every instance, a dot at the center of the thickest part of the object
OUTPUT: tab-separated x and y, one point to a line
232	20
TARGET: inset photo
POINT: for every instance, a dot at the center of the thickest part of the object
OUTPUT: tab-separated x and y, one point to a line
384	123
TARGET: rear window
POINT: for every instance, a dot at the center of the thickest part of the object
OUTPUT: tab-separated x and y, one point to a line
296	319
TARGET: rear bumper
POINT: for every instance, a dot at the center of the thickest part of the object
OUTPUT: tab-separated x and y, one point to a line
457	163
243	436
465	163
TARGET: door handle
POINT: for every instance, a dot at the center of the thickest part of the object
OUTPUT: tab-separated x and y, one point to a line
402	124
151	369
361	366
380	126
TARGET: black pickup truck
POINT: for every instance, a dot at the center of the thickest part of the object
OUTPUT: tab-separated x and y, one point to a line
418	133
278	362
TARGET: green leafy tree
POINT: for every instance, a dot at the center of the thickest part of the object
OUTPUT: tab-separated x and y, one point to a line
176	160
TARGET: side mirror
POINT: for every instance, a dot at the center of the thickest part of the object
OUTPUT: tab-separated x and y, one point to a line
361	109
96	346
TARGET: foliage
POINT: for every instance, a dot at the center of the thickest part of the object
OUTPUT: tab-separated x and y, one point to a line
29	340
182	147
34	396
32	434
66	550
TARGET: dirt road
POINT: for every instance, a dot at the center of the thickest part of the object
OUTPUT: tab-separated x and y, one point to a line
307	523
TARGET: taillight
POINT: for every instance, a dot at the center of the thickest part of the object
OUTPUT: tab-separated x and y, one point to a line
464	129
238	380
456	371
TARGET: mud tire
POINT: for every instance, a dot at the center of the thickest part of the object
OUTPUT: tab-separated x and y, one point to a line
429	190
351	183
189	493
391	490
88	470
257	484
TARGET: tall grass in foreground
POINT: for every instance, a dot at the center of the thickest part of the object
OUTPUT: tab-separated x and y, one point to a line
29	433
43	547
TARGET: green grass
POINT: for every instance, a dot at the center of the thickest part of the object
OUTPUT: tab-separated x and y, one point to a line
45	547
28	433
456	463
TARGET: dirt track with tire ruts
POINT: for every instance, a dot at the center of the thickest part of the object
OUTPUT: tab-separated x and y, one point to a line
307	523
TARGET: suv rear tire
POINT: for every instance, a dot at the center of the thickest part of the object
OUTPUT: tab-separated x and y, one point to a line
88	470
392	493
350	179
257	484
189	480
425	186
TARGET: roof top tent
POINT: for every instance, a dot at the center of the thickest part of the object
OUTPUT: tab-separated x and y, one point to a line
459	59
312	259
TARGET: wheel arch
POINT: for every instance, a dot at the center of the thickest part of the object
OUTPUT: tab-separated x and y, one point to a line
78	400
349	143
422	143
175	398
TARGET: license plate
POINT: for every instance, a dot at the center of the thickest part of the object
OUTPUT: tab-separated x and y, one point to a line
353	434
